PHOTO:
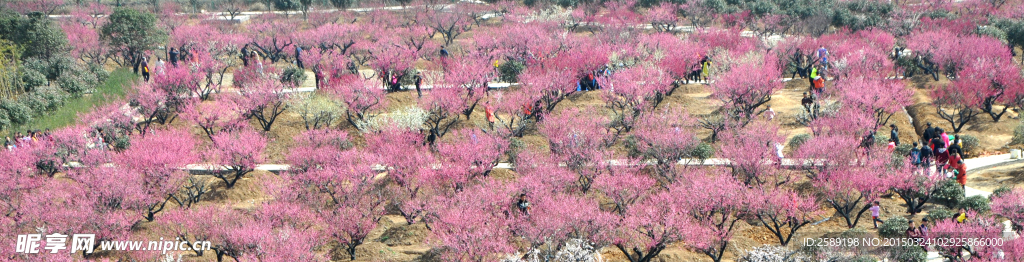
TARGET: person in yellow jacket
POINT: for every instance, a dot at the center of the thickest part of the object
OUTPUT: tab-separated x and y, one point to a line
705	67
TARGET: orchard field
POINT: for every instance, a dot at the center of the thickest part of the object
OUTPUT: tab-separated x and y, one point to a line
698	130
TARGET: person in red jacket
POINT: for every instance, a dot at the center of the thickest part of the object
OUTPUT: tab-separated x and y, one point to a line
489	112
957	165
819	85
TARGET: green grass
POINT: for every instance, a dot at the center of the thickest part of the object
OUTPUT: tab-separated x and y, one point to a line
112	90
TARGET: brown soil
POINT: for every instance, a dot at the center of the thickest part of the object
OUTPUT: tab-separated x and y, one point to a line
993	178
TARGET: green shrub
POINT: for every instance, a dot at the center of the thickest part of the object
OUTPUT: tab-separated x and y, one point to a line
863	258
121	143
43	99
632	145
62	65
409	77
893	227
510	71
32	79
73	85
702	151
1000	191
37	65
881	140
993	31
5	122
18	113
976	203
908	65
515	146
52	68
903	150
907	253
949	193
317	111
293	76
1018	134
117	138
797	141
939	214
969	144
97	70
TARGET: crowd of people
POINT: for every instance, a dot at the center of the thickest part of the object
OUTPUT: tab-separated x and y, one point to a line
25	139
944	149
175	55
34	137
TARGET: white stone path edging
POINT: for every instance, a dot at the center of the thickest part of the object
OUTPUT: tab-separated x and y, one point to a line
972	164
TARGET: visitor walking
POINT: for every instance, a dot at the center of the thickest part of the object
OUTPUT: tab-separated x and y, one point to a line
944	136
259	62
822	55
915	155
926	157
705	68
807	102
941	154
954	148
929	133
876	212
695	71
523	204
418	82
812	74
100	143
159	66
770	113
193	61
173	56
586	82
778	152
298	57
818	85
245	56
144	66
593	81
959	169
894	134
489	113
444	59
395	86
868	141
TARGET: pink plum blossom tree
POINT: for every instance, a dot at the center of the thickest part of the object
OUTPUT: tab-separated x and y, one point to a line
156	160
237	153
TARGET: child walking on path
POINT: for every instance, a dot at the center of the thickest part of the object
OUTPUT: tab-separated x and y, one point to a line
875	213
